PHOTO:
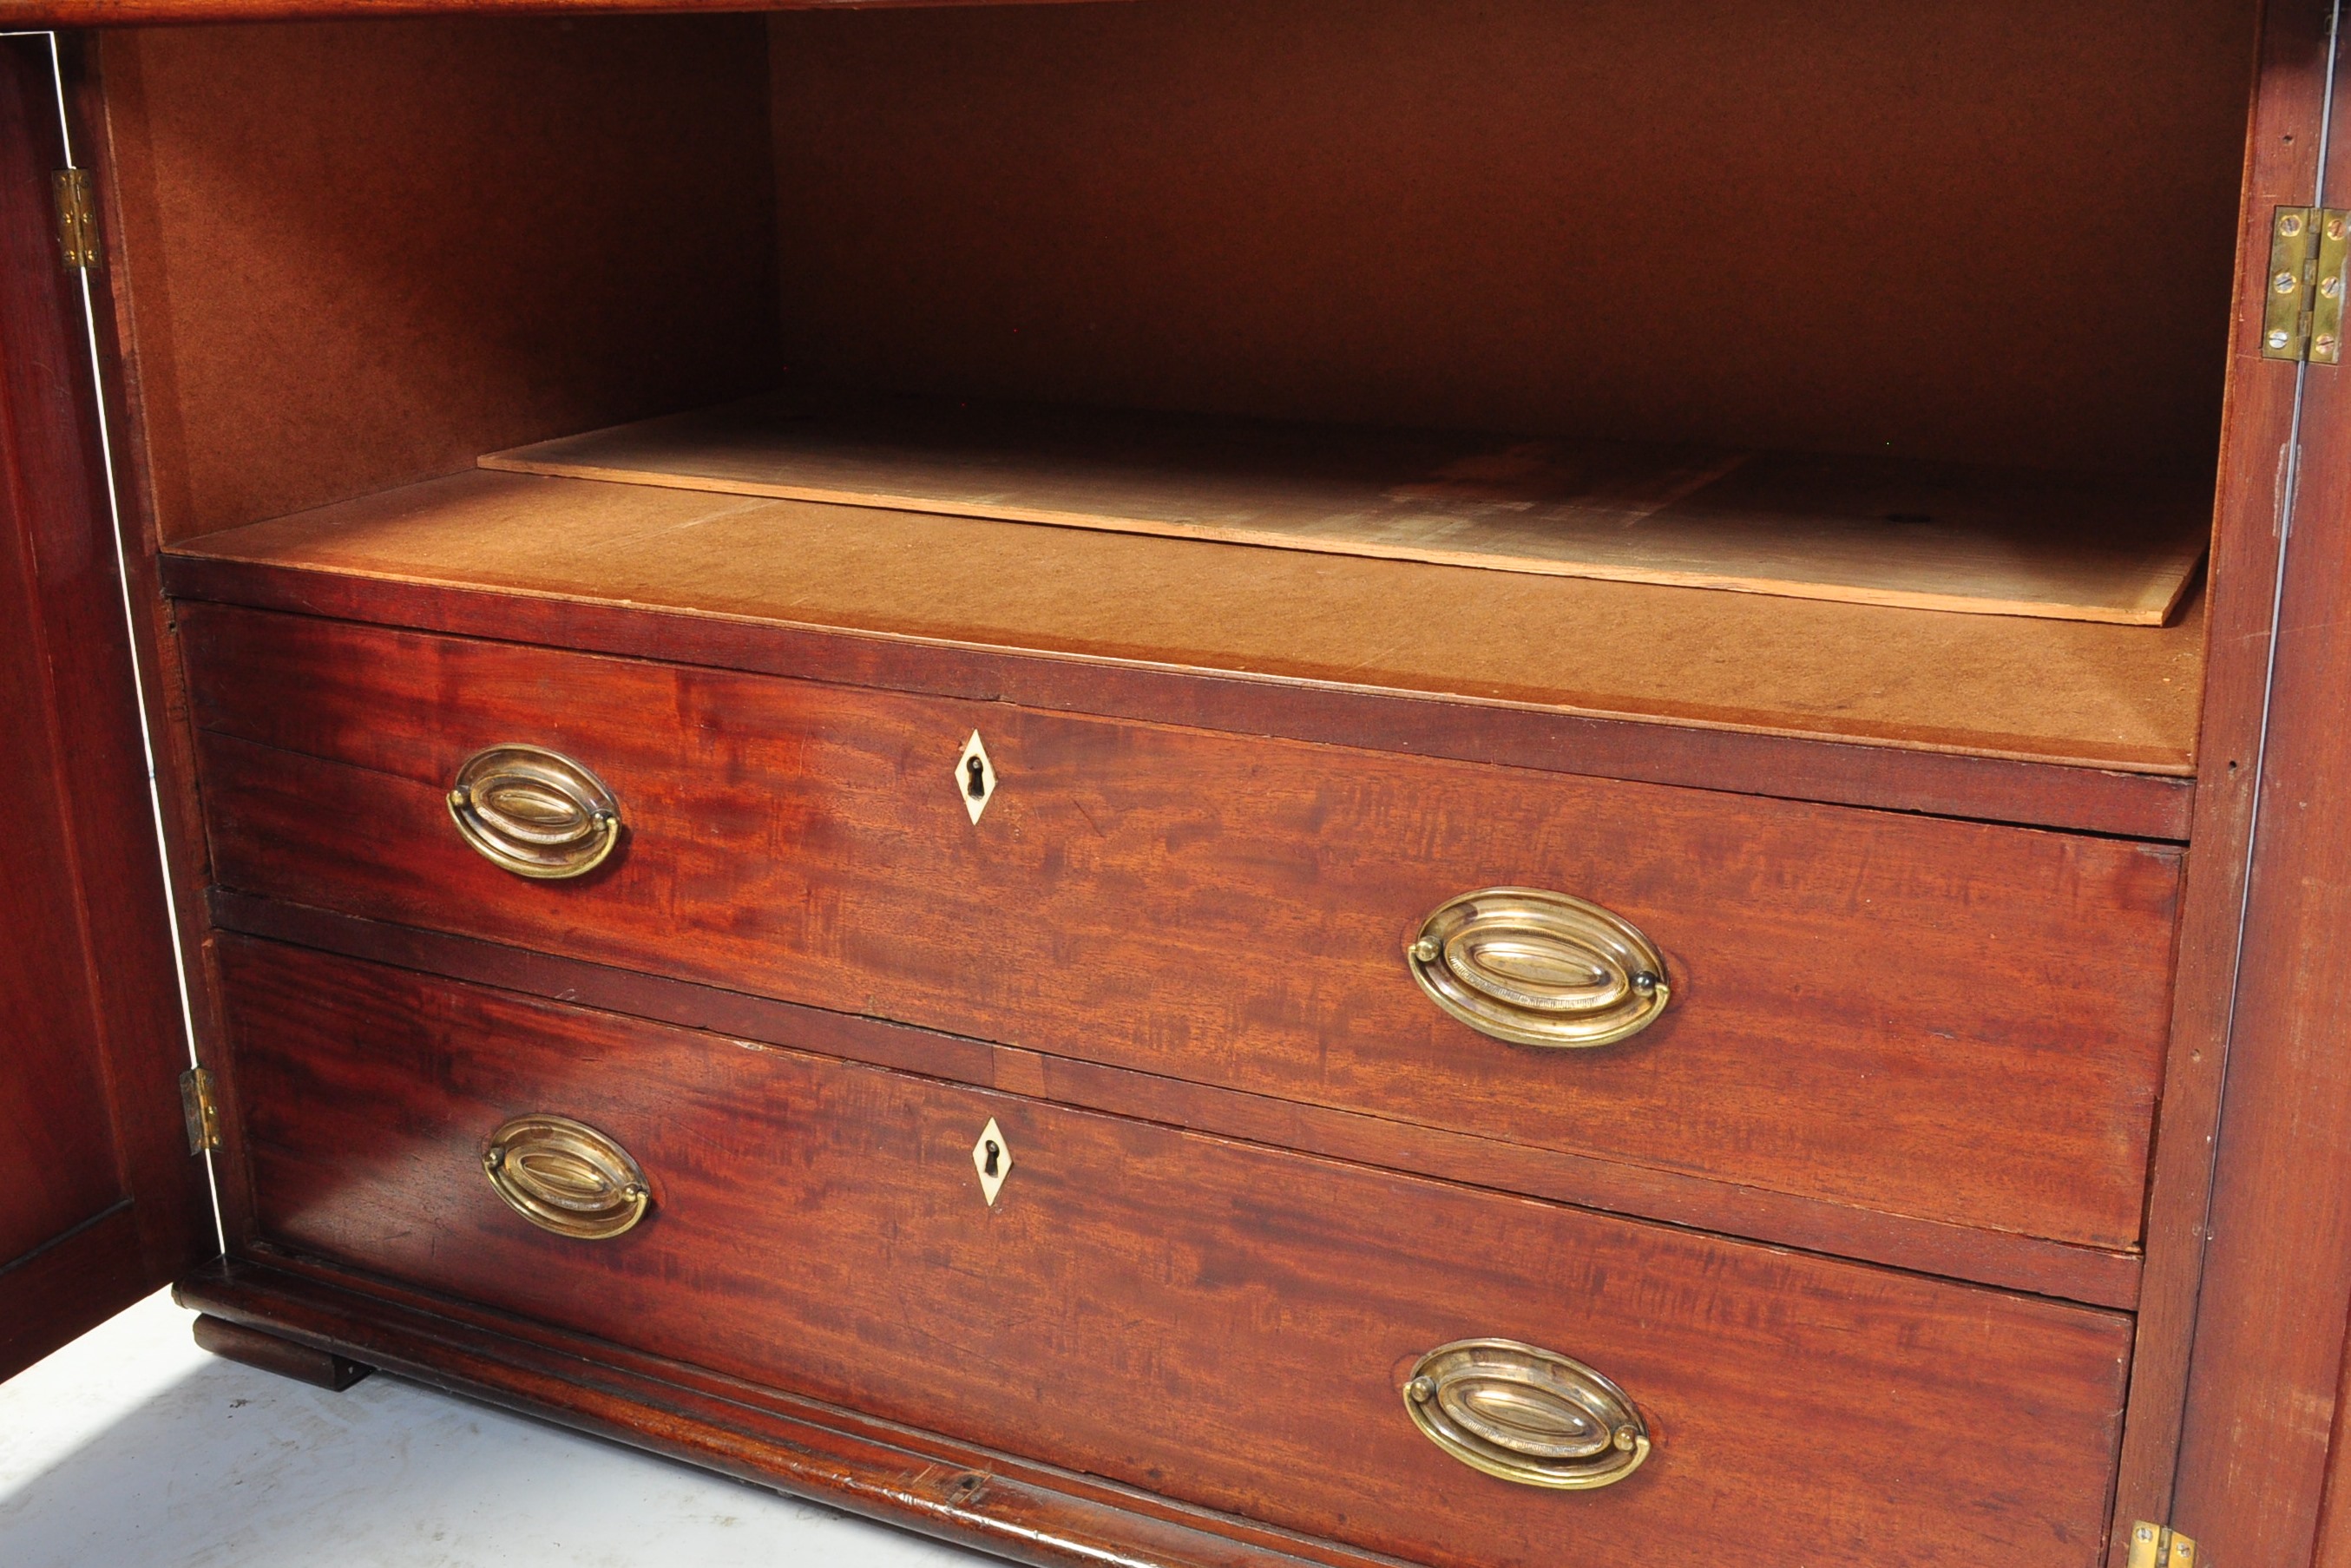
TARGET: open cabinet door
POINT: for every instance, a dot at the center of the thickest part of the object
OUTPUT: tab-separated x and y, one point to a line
104	1202
2263	1474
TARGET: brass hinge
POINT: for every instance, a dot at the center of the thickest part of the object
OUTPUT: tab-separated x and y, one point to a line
2302	316
200	1103
77	217
2160	1546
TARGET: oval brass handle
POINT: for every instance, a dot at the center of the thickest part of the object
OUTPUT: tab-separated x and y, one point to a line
1526	1415
534	813
1538	968
566	1177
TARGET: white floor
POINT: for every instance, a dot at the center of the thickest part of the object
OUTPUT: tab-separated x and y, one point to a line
131	1447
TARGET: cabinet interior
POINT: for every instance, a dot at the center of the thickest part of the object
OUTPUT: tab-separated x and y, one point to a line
1988	240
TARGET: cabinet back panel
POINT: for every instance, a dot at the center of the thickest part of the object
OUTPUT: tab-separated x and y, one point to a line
1995	231
361	254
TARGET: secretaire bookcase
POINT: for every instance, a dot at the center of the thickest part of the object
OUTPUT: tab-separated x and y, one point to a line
1316	781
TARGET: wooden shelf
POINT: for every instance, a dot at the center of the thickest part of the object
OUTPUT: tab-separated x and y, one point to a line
2091	695
1944	537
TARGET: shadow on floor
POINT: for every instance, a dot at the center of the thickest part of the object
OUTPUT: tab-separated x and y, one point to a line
220	1466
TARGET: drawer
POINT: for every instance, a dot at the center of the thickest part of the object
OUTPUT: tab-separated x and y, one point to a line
1228	1324
1946	1021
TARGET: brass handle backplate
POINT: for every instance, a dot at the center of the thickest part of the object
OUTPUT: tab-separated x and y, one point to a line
1538	968
534	813
1526	1415
566	1177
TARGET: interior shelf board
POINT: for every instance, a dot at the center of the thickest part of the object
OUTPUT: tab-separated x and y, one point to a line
2075	693
1862	531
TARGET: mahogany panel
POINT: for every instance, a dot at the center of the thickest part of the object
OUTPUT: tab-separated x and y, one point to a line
73	1282
1257	700
59	1165
125	396
2264	1381
104	1202
1227	1324
1852	991
284	1357
2257	510
975	1496
2332	1546
2100	1278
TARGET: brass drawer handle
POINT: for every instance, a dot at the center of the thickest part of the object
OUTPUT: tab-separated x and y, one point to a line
566	1177
534	813
1526	1415
1538	968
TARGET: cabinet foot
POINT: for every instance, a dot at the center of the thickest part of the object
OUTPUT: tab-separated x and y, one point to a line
320	1368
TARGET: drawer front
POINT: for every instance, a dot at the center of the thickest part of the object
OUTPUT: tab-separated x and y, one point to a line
1947	1020
1227	1324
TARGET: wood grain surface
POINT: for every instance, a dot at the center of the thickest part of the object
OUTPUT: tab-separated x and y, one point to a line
2095	697
2095	1276
2068	547
1345	712
974	1495
2284	140
284	1357
2265	1385
1852	989
104	1201
1221	1323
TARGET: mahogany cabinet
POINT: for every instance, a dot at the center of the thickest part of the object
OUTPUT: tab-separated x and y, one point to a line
1217	784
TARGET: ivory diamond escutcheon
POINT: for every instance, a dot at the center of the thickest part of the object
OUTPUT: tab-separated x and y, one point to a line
992	1158
975	777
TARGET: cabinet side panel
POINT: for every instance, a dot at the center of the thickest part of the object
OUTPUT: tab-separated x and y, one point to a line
2262	1391
365	253
2281	168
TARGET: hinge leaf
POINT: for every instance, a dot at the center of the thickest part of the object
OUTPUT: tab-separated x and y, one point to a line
77	217
2327	293
200	1103
2160	1546
2301	299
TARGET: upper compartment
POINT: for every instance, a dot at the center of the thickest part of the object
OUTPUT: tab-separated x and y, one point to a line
1824	226
1983	253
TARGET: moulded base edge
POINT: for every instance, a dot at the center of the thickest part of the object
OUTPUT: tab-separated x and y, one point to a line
974	1497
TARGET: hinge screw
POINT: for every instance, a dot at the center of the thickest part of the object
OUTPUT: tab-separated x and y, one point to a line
2289	224
2282	283
2322	345
2278	337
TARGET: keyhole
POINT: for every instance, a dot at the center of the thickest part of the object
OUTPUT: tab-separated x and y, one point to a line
976	788
994	1154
